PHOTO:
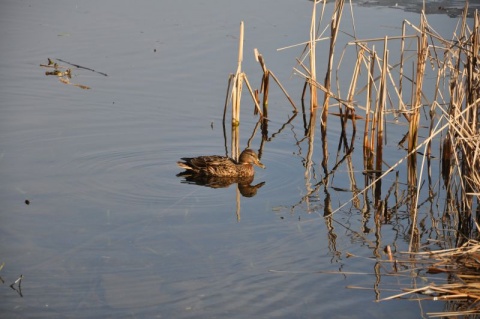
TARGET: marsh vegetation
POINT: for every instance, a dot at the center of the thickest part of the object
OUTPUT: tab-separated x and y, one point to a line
442	125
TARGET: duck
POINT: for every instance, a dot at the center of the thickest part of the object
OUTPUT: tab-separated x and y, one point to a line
222	166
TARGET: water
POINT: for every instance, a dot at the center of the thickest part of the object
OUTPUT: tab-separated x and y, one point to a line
110	230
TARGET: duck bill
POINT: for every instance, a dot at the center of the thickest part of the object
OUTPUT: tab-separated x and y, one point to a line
259	164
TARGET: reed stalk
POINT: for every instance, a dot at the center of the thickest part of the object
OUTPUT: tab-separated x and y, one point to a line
334	28
368	142
236	83
422	51
349	109
238	80
237	96
379	120
453	111
313	68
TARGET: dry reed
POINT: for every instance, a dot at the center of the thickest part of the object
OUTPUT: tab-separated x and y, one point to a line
462	288
388	88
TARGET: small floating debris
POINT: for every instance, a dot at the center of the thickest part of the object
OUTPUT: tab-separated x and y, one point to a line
64	74
18	288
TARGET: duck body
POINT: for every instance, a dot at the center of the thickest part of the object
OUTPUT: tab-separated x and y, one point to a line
222	166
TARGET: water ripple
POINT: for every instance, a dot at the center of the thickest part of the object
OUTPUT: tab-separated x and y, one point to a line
128	176
283	172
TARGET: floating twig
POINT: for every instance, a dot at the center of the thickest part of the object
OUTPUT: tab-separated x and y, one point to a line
18	282
82	67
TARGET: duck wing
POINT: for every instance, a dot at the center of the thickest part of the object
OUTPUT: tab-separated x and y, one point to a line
202	162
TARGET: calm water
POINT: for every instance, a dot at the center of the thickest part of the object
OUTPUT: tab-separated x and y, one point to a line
110	231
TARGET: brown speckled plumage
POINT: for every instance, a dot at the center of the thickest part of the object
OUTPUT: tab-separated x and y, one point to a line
222	166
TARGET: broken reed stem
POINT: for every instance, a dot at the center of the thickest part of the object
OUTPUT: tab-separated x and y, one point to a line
266	71
265	82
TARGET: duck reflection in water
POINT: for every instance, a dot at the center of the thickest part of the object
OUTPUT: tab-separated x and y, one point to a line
221	171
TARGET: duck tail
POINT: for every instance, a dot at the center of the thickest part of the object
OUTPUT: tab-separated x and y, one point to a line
184	165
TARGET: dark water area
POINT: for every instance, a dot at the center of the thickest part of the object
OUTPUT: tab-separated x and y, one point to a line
92	213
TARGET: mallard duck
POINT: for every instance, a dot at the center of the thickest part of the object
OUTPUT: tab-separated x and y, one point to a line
222	166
